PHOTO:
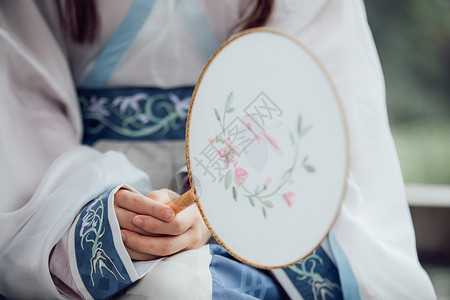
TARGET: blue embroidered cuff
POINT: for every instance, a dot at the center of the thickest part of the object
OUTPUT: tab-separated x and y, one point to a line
98	262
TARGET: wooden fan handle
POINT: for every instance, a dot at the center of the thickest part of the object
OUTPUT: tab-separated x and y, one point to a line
183	201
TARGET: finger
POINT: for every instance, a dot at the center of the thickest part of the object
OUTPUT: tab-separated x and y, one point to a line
149	224
164	196
157	246
136	255
142	205
125	218
140	256
183	221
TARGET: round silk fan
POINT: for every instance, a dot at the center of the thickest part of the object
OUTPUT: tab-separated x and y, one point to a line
266	148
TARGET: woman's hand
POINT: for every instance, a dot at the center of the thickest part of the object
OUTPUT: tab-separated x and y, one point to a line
151	230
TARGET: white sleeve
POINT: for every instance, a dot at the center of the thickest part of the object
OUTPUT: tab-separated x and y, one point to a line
46	176
374	227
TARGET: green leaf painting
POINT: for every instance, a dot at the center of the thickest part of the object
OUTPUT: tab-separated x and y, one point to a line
268	203
217	114
299	125
235	193
310	168
227	180
229	100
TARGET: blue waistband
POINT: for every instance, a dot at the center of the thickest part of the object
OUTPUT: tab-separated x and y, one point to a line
134	113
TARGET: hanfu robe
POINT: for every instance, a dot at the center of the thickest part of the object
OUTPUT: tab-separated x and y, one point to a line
55	189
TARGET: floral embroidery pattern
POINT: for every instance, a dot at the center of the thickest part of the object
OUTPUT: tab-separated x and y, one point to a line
135	115
91	232
228	151
97	106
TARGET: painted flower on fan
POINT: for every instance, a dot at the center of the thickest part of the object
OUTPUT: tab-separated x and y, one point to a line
268	182
228	152
240	175
289	197
271	141
213	139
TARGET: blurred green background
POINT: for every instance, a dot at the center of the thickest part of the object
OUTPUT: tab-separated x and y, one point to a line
413	41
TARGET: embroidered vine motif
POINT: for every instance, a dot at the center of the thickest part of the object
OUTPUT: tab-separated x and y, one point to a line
137	115
229	149
91	232
320	286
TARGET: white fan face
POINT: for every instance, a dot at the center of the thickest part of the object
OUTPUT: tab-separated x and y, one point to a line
267	143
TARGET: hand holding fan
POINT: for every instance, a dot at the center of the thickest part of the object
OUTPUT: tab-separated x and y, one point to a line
266	139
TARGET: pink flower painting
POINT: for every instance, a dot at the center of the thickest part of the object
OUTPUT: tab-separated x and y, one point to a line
240	175
265	194
289	197
268	182
213	139
228	152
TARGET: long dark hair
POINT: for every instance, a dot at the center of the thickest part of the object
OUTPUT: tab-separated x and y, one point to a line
81	20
